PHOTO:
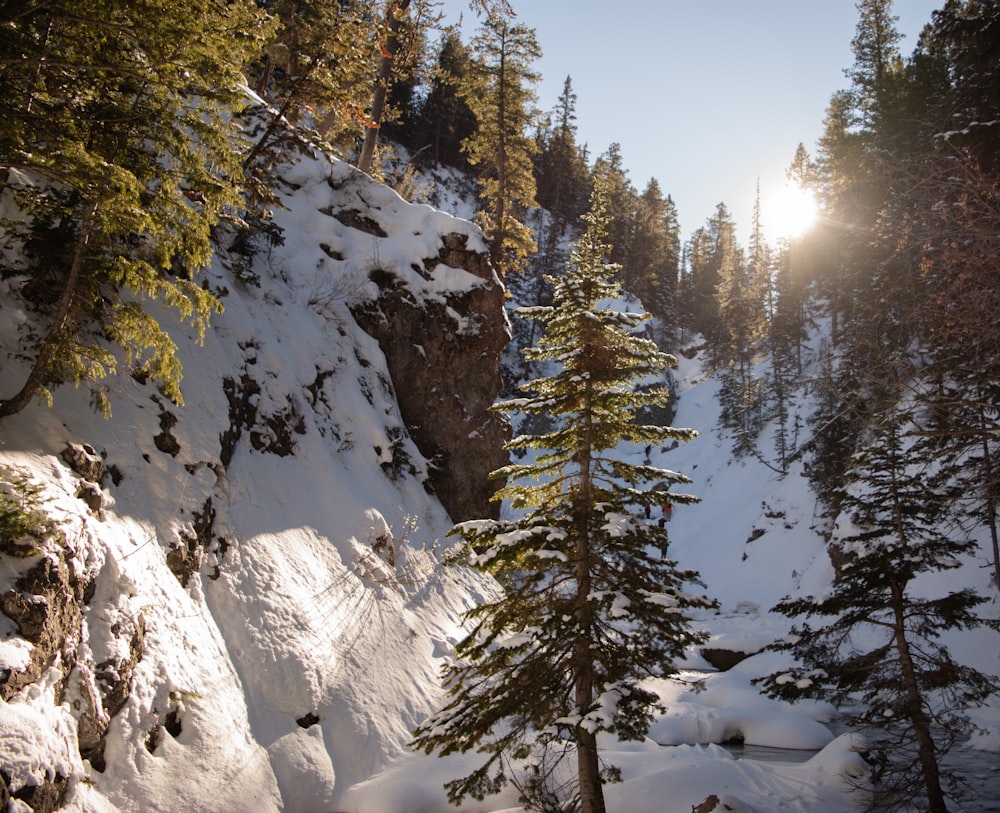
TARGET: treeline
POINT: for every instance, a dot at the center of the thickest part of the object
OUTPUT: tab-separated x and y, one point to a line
475	109
119	155
903	450
901	262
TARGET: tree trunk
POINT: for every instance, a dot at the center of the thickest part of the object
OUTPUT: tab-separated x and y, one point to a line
991	503
589	768
499	236
393	19
64	309
921	724
588	761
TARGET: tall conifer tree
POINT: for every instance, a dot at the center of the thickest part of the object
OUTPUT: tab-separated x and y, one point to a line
878	629
590	605
116	141
498	90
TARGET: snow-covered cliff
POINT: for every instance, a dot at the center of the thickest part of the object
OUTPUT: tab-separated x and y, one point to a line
242	606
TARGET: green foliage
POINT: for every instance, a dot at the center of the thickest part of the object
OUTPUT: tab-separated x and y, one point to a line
591	605
24	525
878	637
319	66
116	136
561	166
713	252
497	91
656	254
443	119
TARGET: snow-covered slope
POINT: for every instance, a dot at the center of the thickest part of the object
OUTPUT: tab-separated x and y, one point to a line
295	638
262	606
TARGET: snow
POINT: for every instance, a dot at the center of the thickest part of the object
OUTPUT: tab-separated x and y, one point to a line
298	609
309	644
727	707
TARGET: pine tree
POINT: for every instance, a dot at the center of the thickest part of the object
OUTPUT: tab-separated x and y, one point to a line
563	176
945	211
742	327
879	630
622	205
497	90
323	61
877	69
712	248
400	44
117	143
656	254
444	119
962	95
587	609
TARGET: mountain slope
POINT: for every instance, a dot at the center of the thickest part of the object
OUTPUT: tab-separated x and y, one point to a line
244	607
259	608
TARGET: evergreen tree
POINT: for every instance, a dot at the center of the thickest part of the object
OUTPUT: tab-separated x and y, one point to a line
742	327
962	95
497	90
400	52
116	141
955	225
878	67
390	41
656	253
622	206
563	176
319	69
587	610
562	180
839	166
713	248
879	629
444	119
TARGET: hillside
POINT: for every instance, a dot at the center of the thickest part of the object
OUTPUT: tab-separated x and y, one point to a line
239	582
244	607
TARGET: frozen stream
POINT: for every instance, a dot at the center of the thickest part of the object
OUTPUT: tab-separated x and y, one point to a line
979	769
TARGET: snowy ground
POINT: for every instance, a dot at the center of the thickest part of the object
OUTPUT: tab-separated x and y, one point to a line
755	538
297	659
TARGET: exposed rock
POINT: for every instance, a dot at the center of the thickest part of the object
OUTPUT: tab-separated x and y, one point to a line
46	606
165	441
710	804
837	558
354	219
114	677
242	413
93	495
446	374
185	558
724	659
85	461
46	797
274	434
171	724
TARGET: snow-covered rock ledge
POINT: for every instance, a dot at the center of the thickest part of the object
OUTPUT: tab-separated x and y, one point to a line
254	611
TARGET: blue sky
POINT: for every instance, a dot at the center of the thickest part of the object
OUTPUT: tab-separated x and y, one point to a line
706	96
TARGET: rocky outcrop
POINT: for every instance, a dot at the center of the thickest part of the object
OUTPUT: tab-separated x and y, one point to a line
45	605
724	659
444	359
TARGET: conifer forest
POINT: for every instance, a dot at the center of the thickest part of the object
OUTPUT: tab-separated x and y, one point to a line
460	429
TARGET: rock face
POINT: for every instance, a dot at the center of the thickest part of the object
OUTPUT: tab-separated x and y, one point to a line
445	365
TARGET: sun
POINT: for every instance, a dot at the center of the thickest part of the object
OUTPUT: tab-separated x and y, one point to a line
790	212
